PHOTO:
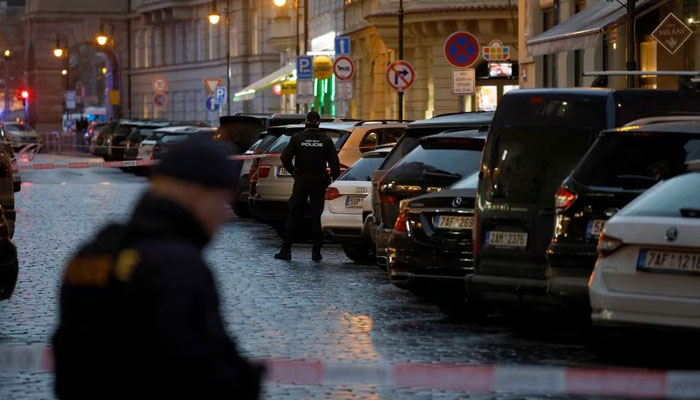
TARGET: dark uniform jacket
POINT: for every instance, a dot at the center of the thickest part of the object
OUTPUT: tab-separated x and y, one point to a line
313	151
139	316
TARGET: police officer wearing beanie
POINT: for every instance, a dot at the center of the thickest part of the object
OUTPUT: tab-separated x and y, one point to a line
307	157
139	309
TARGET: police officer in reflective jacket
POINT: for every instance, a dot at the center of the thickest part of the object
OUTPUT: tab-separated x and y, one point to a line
139	310
307	157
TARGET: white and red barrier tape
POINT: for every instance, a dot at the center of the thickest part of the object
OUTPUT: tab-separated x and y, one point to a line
82	165
530	380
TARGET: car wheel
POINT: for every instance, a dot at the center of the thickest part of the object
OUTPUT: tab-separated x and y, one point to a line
359	253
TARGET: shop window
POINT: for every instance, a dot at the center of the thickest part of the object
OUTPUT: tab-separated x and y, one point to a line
549	65
647	55
487	98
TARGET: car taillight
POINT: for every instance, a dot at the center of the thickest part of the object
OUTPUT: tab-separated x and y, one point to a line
387	199
332	193
608	245
401	224
564	198
264	171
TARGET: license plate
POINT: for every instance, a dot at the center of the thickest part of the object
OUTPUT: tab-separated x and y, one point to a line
672	261
282	172
595	227
454	222
515	240
354	201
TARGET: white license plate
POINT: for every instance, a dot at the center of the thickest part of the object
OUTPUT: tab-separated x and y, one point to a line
515	240
673	261
354	201
454	222
282	172
595	227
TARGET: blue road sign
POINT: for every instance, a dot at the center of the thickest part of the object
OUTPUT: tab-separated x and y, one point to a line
220	95
342	45
305	67
211	105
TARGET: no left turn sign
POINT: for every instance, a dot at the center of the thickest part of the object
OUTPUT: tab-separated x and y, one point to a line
400	75
344	68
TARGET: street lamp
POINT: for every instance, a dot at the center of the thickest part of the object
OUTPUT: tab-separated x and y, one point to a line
214	19
101	39
58	50
64	72
7	54
280	3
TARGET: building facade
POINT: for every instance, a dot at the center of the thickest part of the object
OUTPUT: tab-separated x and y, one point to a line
563	41
373	27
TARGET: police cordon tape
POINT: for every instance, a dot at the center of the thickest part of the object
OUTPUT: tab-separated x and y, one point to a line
522	380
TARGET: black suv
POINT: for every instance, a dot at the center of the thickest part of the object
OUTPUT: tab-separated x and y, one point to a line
621	164
384	211
430	247
536	139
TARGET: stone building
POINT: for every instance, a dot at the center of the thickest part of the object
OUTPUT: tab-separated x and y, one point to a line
561	40
373	28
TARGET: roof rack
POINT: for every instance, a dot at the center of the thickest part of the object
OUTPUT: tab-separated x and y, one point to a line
383	121
458	113
663	119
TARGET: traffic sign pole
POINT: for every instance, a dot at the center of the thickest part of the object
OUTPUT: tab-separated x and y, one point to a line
401	55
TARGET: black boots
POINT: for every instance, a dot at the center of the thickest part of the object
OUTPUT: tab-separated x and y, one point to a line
284	254
316	254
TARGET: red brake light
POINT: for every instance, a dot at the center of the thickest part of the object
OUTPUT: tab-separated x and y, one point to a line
536	100
564	198
387	199
608	245
332	193
263	171
401	224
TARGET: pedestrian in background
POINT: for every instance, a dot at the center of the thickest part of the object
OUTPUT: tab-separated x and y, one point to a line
307	157
139	309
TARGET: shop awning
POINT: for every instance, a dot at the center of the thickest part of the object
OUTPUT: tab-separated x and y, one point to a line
581	31
286	73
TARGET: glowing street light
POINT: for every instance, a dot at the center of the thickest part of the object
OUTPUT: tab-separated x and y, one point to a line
7	53
102	39
64	72
58	52
214	18
104	70
280	3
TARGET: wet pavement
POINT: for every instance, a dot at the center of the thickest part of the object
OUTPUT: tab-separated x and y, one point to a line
335	311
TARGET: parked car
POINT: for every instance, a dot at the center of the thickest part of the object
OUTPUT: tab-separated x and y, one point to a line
8	182
348	203
140	132
621	164
536	139
367	136
429	249
248	192
102	137
380	225
167	137
9	268
125	130
274	184
22	134
648	269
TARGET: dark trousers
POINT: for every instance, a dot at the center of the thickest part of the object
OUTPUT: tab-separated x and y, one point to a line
313	192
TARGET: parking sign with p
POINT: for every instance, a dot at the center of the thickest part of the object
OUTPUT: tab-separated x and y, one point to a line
305	67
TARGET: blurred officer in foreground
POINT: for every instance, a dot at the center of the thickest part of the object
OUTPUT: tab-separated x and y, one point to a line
313	152
139	310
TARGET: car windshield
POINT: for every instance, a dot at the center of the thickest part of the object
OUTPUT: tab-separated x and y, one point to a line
470	182
430	164
362	169
18	127
124	129
338	138
170	138
636	162
677	197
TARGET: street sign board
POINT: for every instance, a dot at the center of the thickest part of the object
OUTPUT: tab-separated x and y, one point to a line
344	90
305	88
462	49
211	84
400	75
305	67
160	85
496	51
70	99
210	104
342	45
344	68
160	100
672	33
220	95
464	81
114	98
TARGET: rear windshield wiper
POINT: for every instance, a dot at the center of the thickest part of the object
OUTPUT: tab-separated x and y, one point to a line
690	212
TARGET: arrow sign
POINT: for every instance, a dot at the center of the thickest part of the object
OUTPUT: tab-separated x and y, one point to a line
211	84
400	75
462	49
210	104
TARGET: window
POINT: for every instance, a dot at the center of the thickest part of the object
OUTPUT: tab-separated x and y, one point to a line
549	62
647	54
147	47
362	170
436	166
254	33
669	199
378	137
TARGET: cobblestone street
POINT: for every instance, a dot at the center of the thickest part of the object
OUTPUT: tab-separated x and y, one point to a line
335	311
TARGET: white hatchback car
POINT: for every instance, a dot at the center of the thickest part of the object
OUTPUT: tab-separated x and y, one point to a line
648	268
348	202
